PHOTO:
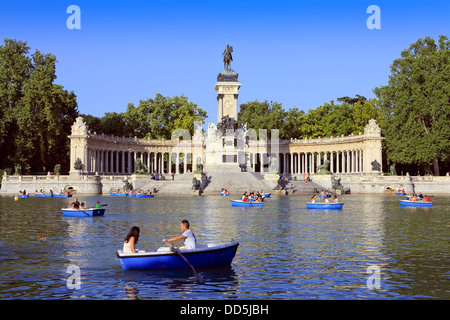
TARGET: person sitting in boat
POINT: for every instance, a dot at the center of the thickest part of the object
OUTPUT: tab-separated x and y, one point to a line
75	204
420	195
325	200
225	191
427	199
335	200
97	205
131	240
412	198
149	192
188	236
244	197
313	199
82	207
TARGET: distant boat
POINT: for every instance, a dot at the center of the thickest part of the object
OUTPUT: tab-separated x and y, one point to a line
144	195
23	195
224	194
62	195
400	193
266	195
120	194
240	203
329	206
89	212
204	256
407	203
43	195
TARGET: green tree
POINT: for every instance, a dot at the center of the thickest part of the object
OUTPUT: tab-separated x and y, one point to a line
416	105
40	113
159	117
263	115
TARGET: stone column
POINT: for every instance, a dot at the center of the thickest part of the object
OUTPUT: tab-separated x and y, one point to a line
348	161
331	162
129	162
123	162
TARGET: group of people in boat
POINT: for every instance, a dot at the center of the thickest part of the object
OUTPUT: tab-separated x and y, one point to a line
131	192
324	199
23	193
80	206
43	192
254	196
419	197
190	242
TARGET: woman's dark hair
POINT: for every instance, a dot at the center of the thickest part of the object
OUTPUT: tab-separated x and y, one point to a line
134	232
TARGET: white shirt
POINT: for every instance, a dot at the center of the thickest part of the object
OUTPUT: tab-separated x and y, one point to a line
127	247
190	242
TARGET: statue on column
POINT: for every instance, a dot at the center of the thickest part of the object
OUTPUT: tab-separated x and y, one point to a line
227	57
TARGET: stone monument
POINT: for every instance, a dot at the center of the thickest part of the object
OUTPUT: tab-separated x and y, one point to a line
224	139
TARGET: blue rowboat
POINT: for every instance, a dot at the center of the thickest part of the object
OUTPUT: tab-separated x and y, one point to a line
266	195
23	195
89	212
132	195
204	256
329	206
144	195
43	195
240	203
407	203
62	195
324	195
224	194
118	194
400	193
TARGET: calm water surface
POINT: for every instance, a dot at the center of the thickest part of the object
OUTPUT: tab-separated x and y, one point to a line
285	252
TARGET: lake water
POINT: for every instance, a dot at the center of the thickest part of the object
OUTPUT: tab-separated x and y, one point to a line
285	251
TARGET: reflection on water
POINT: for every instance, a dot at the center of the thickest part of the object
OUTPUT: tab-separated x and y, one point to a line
285	252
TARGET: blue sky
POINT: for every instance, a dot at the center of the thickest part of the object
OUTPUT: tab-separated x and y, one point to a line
299	53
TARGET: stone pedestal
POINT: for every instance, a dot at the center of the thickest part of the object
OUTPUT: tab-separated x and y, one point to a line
323	180
227	88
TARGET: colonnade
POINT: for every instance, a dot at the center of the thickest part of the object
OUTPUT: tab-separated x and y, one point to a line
124	162
345	161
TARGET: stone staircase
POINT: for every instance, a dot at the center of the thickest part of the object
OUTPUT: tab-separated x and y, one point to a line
231	178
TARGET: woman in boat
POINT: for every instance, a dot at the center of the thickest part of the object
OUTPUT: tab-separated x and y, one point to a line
313	199
427	199
244	197
82	207
188	236
131	240
325	200
335	200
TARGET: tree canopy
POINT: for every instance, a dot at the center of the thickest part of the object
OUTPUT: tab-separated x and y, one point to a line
327	120
35	113
152	118
416	105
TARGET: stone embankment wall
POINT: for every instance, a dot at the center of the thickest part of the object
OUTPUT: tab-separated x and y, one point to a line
91	184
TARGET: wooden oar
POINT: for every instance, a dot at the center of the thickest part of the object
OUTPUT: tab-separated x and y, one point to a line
184	258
